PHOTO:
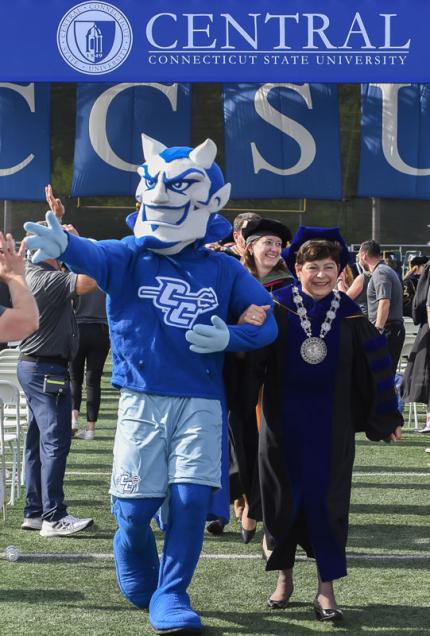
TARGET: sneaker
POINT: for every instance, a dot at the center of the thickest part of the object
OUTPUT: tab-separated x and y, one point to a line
85	435
427	450
65	526
32	523
424	430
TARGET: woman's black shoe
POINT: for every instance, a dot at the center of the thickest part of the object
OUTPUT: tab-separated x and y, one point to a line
247	535
327	614
277	604
215	527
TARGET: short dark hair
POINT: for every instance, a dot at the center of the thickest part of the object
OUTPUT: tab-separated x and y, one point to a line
371	248
316	250
244	217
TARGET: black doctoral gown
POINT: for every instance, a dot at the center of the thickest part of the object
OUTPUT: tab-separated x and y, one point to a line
416	380
310	414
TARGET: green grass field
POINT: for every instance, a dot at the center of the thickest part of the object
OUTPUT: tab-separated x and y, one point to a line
67	585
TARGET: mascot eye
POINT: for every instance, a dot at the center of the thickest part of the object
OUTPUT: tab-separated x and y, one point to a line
150	183
180	186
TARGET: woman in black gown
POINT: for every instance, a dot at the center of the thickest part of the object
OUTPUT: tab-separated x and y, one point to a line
326	377
264	240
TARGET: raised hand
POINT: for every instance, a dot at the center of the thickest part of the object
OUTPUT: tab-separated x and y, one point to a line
54	204
207	338
11	261
49	241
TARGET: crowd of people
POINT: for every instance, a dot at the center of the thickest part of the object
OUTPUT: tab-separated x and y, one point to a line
289	318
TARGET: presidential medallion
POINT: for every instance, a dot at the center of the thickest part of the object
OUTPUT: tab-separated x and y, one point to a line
313	350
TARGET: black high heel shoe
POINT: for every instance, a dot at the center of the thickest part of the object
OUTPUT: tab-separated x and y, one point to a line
247	535
272	604
327	614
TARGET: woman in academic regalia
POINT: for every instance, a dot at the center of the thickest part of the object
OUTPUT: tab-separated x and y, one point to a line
326	376
264	240
416	381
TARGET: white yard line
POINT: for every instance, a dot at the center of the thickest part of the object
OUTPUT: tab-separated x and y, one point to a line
86	474
73	473
107	556
375	473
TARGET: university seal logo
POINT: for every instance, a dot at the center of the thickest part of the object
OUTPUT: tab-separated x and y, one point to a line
94	38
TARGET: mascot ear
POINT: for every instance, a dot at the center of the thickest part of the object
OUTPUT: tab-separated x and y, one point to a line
151	147
220	198
204	155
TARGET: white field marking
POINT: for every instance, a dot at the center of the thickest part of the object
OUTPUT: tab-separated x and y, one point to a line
106	556
392	474
355	474
87	474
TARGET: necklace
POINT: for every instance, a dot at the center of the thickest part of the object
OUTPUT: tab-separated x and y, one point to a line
314	350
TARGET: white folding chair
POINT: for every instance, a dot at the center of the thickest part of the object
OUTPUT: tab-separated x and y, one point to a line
9	375
12	354
11	423
410	328
2	465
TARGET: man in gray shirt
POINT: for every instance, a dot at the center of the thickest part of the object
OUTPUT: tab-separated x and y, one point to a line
43	375
384	299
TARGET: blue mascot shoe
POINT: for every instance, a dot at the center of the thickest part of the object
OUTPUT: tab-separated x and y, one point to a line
171	613
135	550
136	574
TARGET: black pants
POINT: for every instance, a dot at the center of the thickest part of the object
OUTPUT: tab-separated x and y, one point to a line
395	334
93	349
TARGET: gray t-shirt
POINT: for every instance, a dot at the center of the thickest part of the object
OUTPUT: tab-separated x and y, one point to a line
57	336
361	299
91	308
384	283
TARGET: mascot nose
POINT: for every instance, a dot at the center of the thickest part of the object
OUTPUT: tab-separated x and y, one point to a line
159	194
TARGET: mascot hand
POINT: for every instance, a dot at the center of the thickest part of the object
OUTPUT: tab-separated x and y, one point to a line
49	241
207	339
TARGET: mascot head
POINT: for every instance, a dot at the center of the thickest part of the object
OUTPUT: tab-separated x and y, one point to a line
179	189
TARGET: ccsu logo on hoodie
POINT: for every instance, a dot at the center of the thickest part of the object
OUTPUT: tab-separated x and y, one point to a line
94	38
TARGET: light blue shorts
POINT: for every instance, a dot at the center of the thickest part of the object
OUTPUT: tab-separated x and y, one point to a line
162	440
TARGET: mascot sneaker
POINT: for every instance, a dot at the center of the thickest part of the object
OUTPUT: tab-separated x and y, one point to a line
64	527
171	613
136	572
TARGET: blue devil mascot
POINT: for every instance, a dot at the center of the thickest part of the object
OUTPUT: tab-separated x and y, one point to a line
173	308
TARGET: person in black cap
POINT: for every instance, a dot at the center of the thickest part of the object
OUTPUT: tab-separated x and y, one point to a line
410	282
416	381
325	378
264	241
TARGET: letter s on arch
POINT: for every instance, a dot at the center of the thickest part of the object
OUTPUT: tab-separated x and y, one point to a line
287	126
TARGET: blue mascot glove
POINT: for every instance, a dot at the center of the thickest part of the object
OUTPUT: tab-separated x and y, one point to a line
49	241
207	339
